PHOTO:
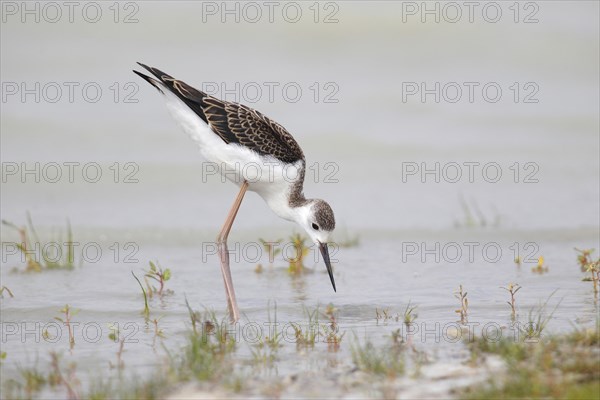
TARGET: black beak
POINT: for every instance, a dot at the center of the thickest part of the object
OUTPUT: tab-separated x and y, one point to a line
325	254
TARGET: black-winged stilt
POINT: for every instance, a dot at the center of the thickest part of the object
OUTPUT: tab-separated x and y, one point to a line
235	136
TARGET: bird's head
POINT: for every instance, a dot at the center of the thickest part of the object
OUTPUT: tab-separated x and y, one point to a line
317	219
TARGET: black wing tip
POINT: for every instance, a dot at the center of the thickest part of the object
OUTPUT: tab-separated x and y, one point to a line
148	79
144	66
160	75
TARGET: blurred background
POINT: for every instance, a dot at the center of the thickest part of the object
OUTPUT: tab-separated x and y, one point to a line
348	87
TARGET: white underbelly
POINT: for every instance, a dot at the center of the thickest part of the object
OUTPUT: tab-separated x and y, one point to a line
271	178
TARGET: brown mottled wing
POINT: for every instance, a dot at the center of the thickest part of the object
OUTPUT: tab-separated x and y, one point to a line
236	123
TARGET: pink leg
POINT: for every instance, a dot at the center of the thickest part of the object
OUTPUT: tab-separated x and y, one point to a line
234	312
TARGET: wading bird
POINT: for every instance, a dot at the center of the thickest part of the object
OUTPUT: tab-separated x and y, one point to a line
234	136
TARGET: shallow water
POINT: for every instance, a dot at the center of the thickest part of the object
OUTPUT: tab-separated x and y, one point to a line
417	240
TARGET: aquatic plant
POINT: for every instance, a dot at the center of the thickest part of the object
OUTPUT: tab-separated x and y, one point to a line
517	261
64	257
33	381
296	263
384	315
540	267
470	221
159	275
57	378
68	313
307	336
584	258
408	318
559	367
512	288
537	321
386	360
409	315
594	269
264	353
158	333
146	311
195	317
206	352
331	329
464	305
114	336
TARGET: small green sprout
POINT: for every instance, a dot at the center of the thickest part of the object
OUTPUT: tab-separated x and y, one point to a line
160	276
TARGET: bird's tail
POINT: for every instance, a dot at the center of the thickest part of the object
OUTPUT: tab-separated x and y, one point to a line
193	97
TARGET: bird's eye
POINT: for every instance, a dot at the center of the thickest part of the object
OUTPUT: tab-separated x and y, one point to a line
315	226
